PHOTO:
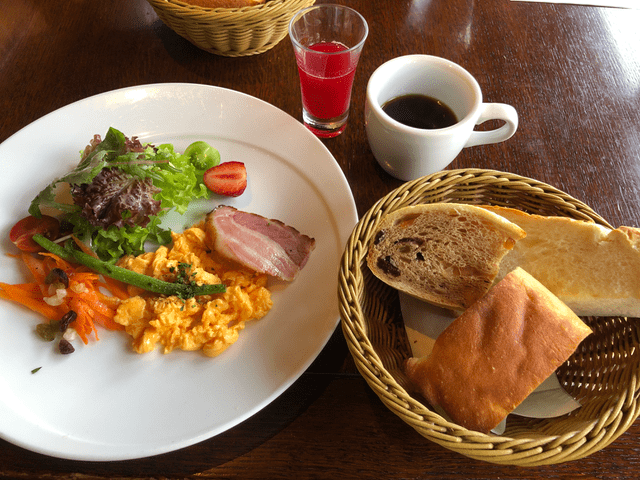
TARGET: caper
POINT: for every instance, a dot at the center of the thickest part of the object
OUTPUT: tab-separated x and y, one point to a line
45	332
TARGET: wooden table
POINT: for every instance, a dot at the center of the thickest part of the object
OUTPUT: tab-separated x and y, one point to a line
572	73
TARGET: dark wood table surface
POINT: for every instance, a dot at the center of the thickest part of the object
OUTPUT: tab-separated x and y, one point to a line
573	74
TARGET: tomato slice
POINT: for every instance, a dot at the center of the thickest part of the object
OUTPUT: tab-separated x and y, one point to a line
22	232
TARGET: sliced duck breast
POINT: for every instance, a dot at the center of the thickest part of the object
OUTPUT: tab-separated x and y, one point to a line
261	244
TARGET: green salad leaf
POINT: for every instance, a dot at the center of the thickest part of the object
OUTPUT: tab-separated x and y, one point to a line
176	180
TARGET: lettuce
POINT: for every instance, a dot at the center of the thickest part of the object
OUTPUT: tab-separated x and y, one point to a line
160	173
178	187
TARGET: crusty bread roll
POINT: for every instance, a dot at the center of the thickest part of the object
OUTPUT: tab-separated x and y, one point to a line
224	3
444	253
488	360
593	269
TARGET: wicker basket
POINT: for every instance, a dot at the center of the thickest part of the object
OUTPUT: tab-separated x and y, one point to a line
602	374
231	32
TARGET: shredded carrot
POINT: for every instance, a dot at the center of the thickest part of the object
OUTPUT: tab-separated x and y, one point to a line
52	261
94	299
38	305
117	288
83	323
84	247
107	322
35	266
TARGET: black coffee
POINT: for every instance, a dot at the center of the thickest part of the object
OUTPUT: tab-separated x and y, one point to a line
420	111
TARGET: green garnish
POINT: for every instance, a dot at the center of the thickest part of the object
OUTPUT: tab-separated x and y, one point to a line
35	370
145	282
184	275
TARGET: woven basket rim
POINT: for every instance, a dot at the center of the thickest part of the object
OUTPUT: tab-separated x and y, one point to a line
231	32
540	448
269	4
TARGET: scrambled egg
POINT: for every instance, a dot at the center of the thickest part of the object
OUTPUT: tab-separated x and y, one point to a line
209	322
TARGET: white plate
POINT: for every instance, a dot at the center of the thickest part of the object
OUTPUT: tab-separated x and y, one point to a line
105	402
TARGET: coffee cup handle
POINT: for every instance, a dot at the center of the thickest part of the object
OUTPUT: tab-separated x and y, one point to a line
495	111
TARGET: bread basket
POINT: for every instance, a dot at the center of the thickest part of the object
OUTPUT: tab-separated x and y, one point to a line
602	374
231	32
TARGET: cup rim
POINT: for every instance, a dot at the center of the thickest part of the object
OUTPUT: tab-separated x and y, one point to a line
305	10
421	131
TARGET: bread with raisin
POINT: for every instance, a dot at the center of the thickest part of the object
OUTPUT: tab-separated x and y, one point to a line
447	254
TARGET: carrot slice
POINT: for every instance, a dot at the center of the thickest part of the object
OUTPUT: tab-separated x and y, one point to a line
94	304
30	289
108	300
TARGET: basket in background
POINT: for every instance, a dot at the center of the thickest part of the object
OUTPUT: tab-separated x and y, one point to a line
231	32
602	374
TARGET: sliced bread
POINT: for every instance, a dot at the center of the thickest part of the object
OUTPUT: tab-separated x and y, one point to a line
593	269
444	253
497	352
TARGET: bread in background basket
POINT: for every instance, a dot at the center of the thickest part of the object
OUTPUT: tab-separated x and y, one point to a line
230	32
224	3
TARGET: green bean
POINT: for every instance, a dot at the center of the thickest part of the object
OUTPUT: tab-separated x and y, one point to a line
145	282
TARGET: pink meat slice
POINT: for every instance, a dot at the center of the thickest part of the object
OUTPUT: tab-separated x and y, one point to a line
264	245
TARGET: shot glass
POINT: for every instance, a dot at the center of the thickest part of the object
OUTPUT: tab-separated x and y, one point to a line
327	41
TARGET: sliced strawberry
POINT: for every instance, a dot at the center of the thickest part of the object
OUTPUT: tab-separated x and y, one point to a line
228	179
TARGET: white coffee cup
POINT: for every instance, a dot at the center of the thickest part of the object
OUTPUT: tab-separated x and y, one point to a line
407	152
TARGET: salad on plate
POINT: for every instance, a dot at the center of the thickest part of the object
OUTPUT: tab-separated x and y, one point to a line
86	244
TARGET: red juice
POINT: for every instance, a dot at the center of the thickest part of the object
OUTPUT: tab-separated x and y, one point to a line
326	80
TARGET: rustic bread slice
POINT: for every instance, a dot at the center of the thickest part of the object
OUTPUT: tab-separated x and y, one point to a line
444	253
489	359
591	268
